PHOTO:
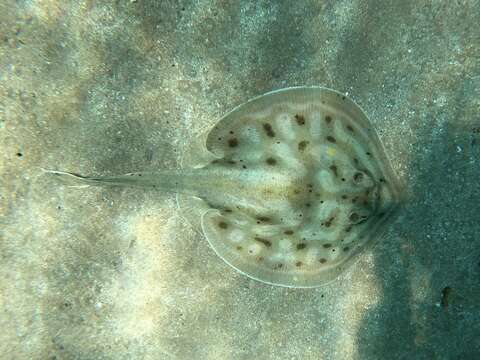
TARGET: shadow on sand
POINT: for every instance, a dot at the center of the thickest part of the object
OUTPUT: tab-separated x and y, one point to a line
430	277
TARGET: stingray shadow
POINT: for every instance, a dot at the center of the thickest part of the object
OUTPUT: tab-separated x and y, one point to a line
428	273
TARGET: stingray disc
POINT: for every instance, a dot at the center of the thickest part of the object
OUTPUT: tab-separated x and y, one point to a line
302	186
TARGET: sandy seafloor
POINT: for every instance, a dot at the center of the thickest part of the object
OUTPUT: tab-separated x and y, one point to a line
109	87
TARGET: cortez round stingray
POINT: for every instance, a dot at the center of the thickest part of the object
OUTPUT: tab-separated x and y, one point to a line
291	187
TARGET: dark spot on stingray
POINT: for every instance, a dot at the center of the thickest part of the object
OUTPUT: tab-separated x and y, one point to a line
331	139
239	248
288	232
233	142
244	166
298	264
322	260
222	225
261	258
329	221
219	139
302	145
19	154
343	179
344	197
265	242
228	210
346	248
300	119
327	246
368	153
268	129
271	161
382	180
301	246
231	132
328	119
334	170
349	128
308	204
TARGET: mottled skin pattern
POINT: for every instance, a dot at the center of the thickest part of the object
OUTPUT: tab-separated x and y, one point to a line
313	187
298	187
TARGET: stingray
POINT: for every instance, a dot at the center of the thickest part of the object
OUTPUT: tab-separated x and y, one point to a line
288	188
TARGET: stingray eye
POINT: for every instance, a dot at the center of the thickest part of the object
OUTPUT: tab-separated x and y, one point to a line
362	180
358	177
357	217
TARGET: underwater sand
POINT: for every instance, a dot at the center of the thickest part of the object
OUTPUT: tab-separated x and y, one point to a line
113	87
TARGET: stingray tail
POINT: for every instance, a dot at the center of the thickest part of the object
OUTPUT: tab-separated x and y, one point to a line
72	179
167	180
